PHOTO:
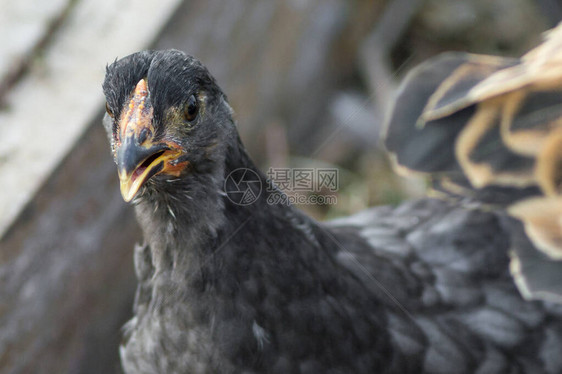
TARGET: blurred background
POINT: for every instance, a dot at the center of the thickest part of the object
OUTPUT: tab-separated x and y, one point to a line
309	80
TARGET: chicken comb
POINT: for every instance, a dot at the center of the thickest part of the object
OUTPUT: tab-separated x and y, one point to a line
490	128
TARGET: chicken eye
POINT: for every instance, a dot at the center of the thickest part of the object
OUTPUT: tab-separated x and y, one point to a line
108	110
191	108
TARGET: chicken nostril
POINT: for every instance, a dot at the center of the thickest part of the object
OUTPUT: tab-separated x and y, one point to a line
144	134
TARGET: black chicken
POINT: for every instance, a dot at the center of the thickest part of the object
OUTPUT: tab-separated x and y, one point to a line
262	288
491	128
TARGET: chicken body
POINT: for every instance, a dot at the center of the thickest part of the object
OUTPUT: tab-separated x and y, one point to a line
262	288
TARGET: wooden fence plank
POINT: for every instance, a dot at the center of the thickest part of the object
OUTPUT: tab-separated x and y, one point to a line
25	25
49	109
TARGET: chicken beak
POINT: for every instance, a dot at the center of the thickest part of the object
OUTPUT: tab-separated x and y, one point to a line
137	163
138	157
